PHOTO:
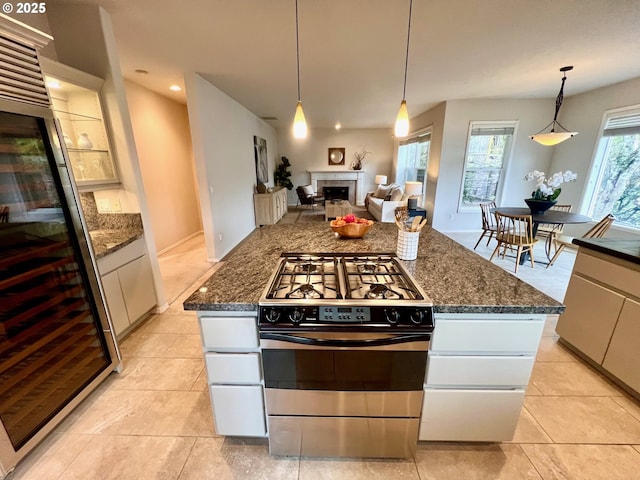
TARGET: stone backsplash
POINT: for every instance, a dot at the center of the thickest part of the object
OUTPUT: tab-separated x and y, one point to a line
107	221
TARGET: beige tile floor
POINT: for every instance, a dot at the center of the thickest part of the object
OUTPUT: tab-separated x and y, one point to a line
153	421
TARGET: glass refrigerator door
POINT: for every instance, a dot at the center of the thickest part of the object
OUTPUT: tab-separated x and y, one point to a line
51	341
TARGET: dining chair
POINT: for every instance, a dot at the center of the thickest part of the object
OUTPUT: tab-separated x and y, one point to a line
4	214
597	231
551	231
514	231
488	222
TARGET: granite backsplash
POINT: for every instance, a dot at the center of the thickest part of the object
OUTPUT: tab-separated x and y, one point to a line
107	221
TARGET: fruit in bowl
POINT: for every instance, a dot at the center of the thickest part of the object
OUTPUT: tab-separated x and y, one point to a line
351	226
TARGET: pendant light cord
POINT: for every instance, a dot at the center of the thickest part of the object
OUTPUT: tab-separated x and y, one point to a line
406	62
298	51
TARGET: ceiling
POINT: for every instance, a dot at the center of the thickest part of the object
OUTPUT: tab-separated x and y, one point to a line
352	52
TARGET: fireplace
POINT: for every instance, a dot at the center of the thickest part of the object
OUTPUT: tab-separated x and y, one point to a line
335	193
354	179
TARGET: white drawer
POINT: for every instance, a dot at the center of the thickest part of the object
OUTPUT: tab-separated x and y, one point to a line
490	335
474	370
233	367
470	415
229	332
238	410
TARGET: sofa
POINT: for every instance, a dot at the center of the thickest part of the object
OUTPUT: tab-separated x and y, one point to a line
382	203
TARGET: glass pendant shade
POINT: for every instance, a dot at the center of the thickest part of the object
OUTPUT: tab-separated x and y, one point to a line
402	121
552	138
299	123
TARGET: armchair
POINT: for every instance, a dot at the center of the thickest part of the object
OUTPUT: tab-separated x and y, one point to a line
306	196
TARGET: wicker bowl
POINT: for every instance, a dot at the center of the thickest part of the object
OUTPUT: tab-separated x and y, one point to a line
350	230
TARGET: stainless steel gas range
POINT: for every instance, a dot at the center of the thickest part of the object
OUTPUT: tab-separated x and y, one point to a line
344	341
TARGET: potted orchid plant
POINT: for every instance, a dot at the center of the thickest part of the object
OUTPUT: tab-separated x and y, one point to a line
547	189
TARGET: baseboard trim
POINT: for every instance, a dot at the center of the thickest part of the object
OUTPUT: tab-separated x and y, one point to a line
180	242
161	309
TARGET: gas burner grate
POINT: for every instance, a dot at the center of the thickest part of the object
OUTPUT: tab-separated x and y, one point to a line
306	277
381	291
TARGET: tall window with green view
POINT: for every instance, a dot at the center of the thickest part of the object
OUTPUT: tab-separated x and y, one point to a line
488	150
616	171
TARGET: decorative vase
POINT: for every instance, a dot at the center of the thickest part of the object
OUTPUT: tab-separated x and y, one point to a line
84	141
538	207
67	141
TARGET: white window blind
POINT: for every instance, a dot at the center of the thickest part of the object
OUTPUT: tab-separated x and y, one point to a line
622	125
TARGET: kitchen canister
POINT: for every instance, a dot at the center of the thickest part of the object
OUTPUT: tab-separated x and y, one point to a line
407	248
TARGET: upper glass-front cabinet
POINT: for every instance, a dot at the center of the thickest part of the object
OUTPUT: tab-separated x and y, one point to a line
76	103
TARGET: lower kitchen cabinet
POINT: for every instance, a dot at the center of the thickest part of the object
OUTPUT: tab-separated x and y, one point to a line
234	372
478	368
590	317
238	410
127	282
602	318
623	356
470	415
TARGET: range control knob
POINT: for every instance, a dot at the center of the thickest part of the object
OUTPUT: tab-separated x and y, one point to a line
272	315
392	316
417	317
296	316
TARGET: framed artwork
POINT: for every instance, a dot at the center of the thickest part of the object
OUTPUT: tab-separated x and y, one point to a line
262	163
336	156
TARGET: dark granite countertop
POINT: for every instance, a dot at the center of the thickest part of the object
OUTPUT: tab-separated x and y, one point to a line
624	249
107	241
457	279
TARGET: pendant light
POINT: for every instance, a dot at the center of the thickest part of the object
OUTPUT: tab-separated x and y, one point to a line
554	137
299	122
402	120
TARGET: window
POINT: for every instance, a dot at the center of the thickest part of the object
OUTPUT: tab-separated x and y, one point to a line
413	158
488	150
614	185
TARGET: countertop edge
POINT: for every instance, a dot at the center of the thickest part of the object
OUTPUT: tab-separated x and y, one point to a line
534	309
607	246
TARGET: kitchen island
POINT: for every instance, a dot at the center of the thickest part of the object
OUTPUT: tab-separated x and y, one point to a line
602	321
488	325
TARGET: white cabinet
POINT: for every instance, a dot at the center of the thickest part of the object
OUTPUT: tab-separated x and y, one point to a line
470	415
478	368
127	282
270	207
234	372
623	355
75	97
602	318
238	410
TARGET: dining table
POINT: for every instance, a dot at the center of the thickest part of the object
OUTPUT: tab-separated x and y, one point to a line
550	217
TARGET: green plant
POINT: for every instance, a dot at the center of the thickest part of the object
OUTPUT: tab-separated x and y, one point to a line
282	174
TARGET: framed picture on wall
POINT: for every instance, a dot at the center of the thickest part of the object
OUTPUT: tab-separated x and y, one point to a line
262	162
336	156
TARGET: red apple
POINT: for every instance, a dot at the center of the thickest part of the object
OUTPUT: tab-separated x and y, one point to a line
350	218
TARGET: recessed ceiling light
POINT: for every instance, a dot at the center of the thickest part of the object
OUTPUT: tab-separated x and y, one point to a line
53	83
141	71
338	126
175	88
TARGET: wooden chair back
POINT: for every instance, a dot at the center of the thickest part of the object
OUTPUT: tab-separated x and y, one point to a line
600	228
488	219
4	214
515	229
547	228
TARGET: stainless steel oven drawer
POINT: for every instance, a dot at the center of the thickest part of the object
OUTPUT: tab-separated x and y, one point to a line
344	403
343	436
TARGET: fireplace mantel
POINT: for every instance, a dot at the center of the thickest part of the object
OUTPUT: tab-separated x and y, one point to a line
355	175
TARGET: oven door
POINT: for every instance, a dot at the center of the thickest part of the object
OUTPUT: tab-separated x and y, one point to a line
335	361
343	394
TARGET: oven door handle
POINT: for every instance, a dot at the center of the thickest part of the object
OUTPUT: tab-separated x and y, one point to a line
372	342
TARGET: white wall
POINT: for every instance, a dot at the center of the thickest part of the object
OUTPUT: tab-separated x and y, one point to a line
312	153
433	118
163	141
222	132
584	113
527	155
